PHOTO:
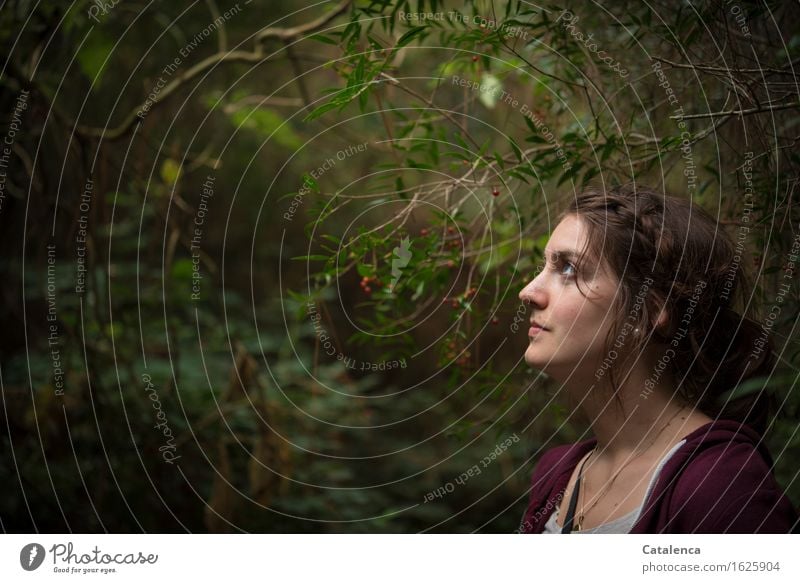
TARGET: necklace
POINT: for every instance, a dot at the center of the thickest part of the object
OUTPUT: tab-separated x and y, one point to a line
578	520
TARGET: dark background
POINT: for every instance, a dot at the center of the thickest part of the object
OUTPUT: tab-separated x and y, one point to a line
267	431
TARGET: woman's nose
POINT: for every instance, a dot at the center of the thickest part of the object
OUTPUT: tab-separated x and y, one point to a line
533	294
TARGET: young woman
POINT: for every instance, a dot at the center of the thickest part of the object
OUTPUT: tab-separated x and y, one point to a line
634	315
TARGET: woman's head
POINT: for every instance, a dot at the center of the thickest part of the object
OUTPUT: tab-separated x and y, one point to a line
653	273
572	300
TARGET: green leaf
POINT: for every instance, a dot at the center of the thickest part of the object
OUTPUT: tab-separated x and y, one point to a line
410	35
500	163
269	124
418	292
95	53
182	269
531	127
566	176
536	138
323	39
310	183
517	150
518	175
590	173
170	171
749	387
608	148
322	109
332	238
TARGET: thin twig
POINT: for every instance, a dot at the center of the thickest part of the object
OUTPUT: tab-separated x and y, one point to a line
255	56
295	32
761	109
397	83
788	70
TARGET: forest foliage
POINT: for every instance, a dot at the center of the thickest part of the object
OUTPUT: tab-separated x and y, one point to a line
262	259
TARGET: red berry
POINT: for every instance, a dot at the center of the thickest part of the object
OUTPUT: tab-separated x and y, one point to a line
474	58
423	232
367	290
495	191
495	320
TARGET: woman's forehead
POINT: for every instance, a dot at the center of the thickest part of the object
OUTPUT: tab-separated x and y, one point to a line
568	238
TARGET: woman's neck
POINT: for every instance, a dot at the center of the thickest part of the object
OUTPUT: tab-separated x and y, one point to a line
638	421
634	430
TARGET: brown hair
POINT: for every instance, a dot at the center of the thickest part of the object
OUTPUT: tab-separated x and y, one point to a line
670	253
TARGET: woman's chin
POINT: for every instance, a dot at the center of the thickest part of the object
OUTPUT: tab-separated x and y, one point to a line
534	360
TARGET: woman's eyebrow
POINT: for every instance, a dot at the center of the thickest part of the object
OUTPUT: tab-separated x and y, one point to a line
567	253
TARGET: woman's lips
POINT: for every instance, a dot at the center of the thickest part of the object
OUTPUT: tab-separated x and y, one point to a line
534	330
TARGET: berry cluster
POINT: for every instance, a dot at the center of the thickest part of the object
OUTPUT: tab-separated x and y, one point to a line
367	280
456	302
463	359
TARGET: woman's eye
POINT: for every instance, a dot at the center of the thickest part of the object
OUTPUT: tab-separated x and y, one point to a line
566	269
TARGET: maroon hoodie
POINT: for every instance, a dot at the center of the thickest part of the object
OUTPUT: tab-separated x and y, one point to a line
719	481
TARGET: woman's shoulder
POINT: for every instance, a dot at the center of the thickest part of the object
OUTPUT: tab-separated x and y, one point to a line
721	480
730	452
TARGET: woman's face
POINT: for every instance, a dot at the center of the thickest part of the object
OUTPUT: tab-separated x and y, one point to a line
575	326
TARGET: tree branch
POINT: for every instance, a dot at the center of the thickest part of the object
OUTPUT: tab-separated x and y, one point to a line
254	56
288	34
732	112
447	116
788	70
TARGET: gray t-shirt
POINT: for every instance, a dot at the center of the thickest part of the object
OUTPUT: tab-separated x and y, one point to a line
623	524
